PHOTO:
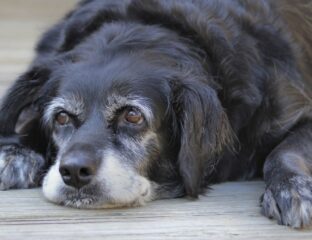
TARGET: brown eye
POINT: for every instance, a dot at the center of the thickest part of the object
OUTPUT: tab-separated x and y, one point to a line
134	116
62	118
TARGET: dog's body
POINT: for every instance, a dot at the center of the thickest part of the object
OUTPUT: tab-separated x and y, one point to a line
136	100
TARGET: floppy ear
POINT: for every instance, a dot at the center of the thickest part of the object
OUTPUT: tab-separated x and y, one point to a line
204	132
19	96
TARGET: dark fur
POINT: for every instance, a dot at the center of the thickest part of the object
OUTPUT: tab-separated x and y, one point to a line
237	75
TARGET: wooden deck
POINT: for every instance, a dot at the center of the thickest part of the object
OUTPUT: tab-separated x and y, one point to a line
229	211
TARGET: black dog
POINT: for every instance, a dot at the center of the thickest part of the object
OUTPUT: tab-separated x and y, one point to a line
134	100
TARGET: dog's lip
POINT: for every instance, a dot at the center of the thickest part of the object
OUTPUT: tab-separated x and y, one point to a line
78	199
87	201
81	193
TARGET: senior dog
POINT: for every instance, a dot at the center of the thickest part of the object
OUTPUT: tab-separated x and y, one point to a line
130	101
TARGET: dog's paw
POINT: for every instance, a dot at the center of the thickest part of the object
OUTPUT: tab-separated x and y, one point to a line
19	167
290	202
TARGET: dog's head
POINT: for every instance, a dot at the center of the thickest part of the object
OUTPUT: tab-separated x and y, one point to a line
135	117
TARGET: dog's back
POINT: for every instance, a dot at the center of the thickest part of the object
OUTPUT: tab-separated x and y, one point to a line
298	16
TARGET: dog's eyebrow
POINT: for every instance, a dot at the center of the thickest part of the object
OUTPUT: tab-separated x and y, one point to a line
72	104
116	102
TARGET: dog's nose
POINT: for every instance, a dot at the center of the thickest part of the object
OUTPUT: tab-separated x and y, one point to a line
77	172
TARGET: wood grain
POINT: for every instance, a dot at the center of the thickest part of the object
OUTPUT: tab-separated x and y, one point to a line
21	24
229	211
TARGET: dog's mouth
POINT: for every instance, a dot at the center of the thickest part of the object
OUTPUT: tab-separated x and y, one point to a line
78	201
87	198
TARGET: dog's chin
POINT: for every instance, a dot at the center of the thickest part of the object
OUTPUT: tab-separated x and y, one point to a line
94	195
89	198
83	199
78	199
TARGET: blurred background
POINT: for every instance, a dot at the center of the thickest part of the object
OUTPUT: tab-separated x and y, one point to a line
21	24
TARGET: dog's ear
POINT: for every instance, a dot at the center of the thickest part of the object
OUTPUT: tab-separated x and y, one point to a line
21	95
204	132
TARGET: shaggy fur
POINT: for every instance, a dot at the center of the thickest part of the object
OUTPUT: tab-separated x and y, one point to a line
224	89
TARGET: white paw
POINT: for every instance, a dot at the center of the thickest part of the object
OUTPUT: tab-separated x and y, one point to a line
19	167
289	202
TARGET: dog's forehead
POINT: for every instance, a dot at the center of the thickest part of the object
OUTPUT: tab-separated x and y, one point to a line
125	73
120	81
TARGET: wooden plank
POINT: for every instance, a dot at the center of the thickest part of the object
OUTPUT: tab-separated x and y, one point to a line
21	23
229	211
46	10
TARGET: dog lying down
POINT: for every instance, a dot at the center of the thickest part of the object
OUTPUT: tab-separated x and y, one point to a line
136	100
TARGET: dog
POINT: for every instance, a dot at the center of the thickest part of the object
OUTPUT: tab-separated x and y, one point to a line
132	101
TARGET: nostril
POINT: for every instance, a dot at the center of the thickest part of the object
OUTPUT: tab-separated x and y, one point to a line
65	172
85	172
77	171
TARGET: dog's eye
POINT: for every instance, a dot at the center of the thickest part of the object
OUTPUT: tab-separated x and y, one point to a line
134	116
62	118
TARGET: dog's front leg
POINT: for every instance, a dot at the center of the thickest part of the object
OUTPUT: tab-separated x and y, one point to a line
21	166
287	174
